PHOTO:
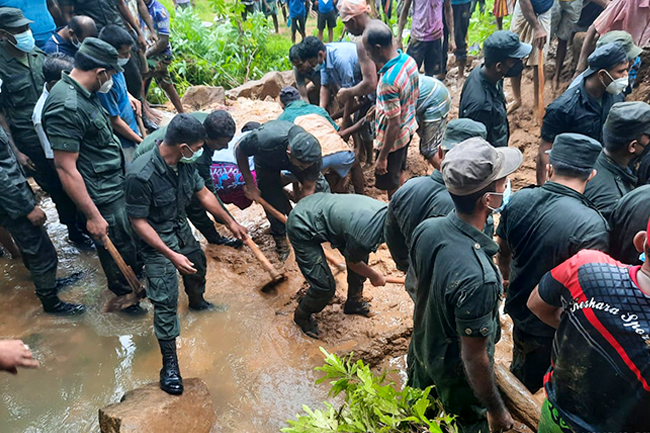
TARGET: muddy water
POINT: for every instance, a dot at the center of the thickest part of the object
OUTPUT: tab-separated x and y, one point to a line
258	369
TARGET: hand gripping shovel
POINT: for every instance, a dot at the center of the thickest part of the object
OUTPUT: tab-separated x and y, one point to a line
121	302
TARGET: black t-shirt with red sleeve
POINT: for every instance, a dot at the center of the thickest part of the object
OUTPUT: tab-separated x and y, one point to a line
599	379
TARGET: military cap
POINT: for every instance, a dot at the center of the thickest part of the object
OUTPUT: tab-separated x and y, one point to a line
605	57
628	120
101	51
12	18
575	150
304	146
460	130
474	164
288	95
624	39
504	44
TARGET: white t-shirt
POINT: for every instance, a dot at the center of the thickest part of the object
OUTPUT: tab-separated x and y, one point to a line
37	120
227	155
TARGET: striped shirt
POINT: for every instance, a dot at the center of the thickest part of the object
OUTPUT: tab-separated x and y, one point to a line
397	95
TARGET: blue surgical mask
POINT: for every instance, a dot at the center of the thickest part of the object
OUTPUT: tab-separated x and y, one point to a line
24	41
319	67
505	197
642	257
195	156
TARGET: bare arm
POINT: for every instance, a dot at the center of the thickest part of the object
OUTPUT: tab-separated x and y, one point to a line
368	83
144	14
57	14
402	21
529	14
548	314
22	159
75	187
151	237
131	21
542	161
123	130
159	46
392	132
324	96
212	205
504	257
308	188
480	375
449	18
588	47
377	279
251	191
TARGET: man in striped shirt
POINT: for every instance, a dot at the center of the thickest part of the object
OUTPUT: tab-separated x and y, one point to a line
397	96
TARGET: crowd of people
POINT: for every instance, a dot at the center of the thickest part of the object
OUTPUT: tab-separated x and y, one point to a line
568	254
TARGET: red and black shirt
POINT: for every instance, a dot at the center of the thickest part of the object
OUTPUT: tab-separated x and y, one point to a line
599	379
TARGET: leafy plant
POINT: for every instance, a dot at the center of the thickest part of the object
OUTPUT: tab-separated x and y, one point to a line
372	404
481	26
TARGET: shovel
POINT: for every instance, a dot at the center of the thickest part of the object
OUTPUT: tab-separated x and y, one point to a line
276	276
121	302
541	83
334	261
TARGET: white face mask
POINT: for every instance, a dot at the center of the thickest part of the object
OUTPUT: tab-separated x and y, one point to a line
104	88
616	87
122	61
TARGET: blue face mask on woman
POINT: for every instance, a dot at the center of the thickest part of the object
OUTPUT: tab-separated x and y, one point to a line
505	197
24	41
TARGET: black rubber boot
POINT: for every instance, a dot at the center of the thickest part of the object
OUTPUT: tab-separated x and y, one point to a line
359	307
229	242
79	238
135	310
62	283
54	305
170	375
306	322
198	303
282	247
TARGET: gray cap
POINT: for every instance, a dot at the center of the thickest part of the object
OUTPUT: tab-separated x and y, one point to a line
12	18
504	44
460	130
624	39
288	95
605	57
101	51
474	164
304	146
575	150
628	120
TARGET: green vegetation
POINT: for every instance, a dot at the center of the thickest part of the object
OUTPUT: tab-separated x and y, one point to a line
371	404
481	26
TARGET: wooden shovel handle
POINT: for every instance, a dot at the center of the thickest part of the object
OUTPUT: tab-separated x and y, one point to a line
124	268
541	83
395	280
273	211
275	274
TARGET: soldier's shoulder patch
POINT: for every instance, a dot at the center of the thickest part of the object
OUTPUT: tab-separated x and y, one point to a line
70	101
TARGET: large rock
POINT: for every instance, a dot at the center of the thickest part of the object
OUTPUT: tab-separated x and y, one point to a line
198	97
150	409
268	86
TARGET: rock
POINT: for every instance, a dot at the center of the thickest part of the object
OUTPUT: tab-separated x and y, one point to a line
150	409
268	86
198	97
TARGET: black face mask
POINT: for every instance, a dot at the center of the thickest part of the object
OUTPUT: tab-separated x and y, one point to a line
516	69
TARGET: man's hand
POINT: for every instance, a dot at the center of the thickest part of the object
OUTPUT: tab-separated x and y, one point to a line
378	280
238	230
142	41
539	39
37	217
25	161
14	354
381	166
500	422
183	264
252	192
343	96
136	105
452	45
97	227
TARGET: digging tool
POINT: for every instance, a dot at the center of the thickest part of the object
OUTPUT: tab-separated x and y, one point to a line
541	83
395	280
518	399
143	130
276	276
121	302
334	261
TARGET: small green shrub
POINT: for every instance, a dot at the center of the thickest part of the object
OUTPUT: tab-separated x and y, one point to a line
371	404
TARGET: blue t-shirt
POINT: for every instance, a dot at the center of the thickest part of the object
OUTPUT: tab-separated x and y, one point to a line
117	103
296	8
541	6
325	6
56	44
36	10
160	18
341	67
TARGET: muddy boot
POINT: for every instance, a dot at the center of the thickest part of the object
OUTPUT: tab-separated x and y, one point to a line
229	242
170	375
62	283
282	247
134	310
53	305
198	303
357	306
306	322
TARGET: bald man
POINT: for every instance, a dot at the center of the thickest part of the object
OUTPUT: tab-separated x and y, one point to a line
68	39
